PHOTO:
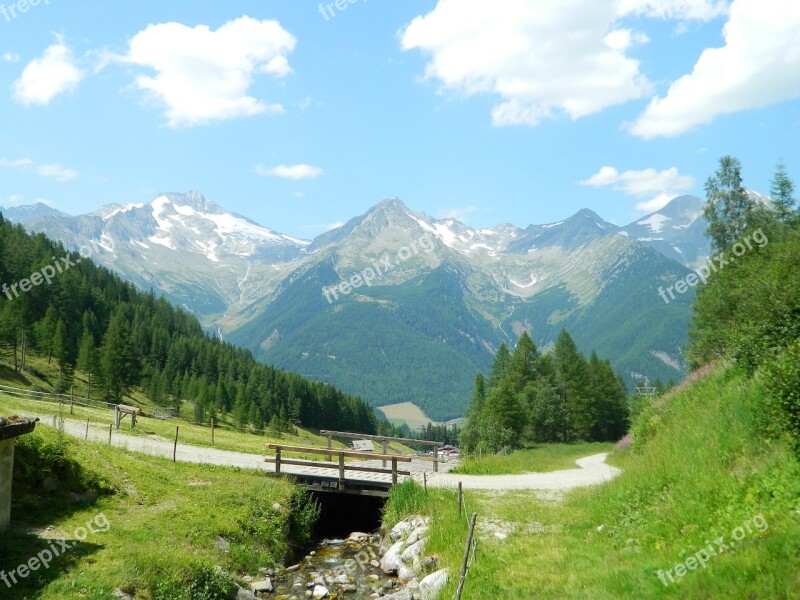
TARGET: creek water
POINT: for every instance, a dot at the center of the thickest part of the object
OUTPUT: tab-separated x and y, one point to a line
347	568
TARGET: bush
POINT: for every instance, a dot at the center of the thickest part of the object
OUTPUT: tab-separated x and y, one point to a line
783	384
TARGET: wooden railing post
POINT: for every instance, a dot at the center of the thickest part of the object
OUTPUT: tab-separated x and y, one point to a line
341	471
277	461
385	447
436	459
330	445
460	498
394	471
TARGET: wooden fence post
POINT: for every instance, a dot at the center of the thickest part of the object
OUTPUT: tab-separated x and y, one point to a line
436	459
466	556
175	445
277	461
110	427
425	481
341	471
394	471
330	445
87	429
460	499
212	432
385	448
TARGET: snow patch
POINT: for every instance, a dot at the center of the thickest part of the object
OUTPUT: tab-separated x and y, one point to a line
654	222
124	209
666	359
162	241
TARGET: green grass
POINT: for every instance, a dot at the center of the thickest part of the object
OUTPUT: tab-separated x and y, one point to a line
537	459
163	521
226	436
699	468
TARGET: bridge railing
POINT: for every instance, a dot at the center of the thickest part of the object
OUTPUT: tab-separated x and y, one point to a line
384	441
342	466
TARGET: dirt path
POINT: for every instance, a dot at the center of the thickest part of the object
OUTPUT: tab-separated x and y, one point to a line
592	469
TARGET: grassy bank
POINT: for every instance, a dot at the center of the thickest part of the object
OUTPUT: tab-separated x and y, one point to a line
699	472
537	459
168	525
226	436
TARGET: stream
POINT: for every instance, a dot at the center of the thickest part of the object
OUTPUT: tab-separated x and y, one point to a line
343	567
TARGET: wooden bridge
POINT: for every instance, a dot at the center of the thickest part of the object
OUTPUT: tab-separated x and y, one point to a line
369	475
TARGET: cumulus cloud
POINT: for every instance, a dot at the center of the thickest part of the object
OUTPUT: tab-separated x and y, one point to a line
758	65
203	75
544	59
48	76
10	57
296	172
655	188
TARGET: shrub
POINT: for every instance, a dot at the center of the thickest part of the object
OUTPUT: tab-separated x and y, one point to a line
783	384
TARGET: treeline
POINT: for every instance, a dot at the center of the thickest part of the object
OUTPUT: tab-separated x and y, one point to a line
535	397
121	338
749	312
439	433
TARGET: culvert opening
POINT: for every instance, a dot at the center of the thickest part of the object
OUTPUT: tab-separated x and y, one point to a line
342	514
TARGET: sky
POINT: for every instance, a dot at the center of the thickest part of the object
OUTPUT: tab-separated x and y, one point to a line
301	115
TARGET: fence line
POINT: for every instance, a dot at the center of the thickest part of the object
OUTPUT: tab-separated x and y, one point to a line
471	542
55	398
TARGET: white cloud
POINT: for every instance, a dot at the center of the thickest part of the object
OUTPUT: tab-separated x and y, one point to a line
10	57
13	200
19	163
203	75
296	172
758	65
57	172
659	187
44	78
546	58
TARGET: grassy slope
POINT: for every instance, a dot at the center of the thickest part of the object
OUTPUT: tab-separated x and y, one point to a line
700	469
537	459
164	520
226	436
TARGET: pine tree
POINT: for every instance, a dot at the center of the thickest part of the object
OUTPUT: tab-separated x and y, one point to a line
119	359
782	192
572	379
88	360
729	210
524	361
500	367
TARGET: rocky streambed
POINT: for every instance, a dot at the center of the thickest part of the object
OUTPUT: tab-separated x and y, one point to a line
362	566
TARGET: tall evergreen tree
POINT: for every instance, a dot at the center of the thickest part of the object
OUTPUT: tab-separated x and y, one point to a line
782	193
729	210
572	381
119	359
500	366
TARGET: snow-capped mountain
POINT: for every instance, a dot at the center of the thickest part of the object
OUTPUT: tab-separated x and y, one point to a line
676	231
445	296
199	255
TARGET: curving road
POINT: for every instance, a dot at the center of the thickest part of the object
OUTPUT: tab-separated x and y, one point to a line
592	470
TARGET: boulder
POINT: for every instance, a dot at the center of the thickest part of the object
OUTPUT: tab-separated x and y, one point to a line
391	561
431	585
265	585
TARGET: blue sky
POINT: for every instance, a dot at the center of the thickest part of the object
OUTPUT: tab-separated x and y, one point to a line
300	115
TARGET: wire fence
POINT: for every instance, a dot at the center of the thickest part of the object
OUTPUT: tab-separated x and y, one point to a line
56	398
471	545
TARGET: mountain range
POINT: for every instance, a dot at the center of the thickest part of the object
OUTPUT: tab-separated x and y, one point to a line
397	306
